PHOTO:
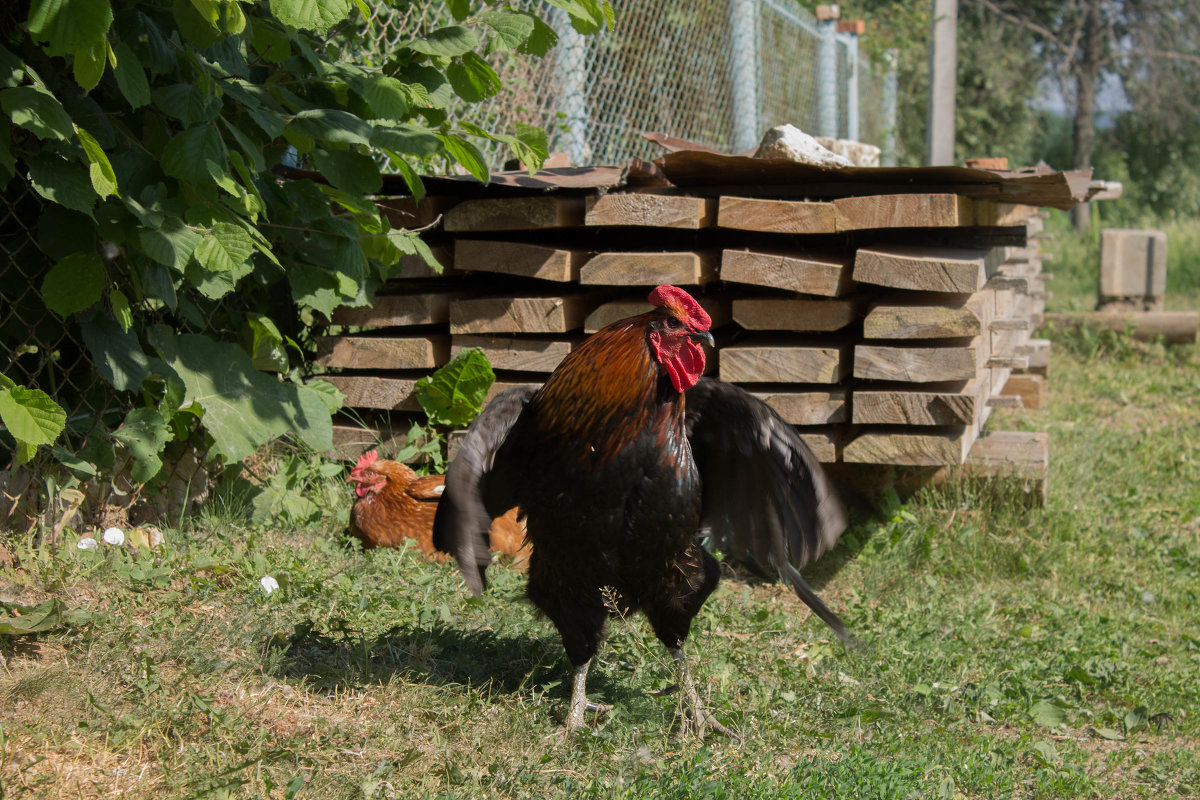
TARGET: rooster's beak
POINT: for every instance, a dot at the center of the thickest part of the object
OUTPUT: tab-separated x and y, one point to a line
702	336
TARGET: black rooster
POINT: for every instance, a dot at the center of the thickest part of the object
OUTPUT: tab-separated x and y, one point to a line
622	463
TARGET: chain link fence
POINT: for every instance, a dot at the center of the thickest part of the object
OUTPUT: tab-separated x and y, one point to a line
717	72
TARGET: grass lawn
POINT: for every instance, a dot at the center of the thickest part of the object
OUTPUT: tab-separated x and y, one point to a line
1006	651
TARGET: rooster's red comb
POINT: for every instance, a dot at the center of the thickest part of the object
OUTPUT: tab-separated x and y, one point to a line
682	305
366	459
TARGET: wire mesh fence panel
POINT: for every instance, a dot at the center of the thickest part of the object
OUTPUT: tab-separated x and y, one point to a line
717	72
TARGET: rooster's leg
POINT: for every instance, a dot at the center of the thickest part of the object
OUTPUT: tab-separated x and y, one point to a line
580	705
696	718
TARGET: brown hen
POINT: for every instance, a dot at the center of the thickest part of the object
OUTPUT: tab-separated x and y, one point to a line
395	504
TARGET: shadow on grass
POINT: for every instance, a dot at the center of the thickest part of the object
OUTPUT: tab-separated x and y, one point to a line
437	655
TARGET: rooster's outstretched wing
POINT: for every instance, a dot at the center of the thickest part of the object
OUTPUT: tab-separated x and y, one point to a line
469	500
766	500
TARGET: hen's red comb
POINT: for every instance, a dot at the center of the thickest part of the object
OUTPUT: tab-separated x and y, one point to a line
366	459
682	305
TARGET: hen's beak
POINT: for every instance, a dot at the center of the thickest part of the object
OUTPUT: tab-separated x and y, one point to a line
702	336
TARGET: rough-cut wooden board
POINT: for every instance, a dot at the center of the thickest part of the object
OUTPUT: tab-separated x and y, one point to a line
922	269
807	408
516	354
610	312
776	216
794	314
518	258
1038	351
413	267
899	407
429	308
649	269
558	314
919	364
366	352
929	318
923	211
1011	453
823	444
820	275
926	449
515	213
771	362
364	391
1030	388
653	210
405	212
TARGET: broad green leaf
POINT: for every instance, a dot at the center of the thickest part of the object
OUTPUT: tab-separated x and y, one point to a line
242	407
318	289
587	16
331	125
411	179
329	393
145	433
459	9
187	103
511	29
454	394
199	29
467	155
120	309
12	69
226	248
172	244
61	181
271	123
387	97
100	169
1108	733
31	415
1045	753
447	42
197	155
90	61
249	146
131	78
473	78
37	111
271	44
348	170
1047	714
116	352
318	15
73	283
80	468
50	615
541	40
68	26
233	19
412	139
267	351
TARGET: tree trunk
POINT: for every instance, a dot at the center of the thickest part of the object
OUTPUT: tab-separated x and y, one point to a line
1087	73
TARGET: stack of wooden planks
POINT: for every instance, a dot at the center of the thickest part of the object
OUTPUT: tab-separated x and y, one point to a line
885	327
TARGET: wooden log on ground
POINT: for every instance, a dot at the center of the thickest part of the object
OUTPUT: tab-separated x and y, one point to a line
922	268
827	276
554	314
395	310
649	269
652	210
1175	327
608	313
928	448
519	258
515	354
794	314
369	352
515	213
763	361
919	364
776	216
821	407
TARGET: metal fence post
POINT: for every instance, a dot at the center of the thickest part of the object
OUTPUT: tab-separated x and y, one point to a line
891	88
827	89
743	67
570	65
